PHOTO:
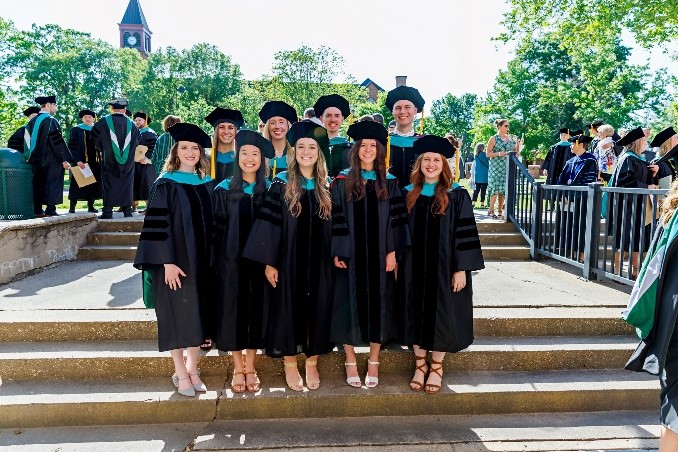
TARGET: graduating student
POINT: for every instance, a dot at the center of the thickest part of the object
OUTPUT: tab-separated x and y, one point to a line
46	151
277	117
404	102
555	159
369	224
580	170
164	143
16	141
174	253
292	237
144	171
436	269
83	150
226	123
665	140
632	171
332	110
240	283
116	137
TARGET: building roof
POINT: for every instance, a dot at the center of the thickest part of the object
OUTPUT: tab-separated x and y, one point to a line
369	82
134	15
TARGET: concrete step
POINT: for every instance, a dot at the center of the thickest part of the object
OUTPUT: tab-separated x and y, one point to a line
506	252
121	225
502	238
114	238
107	252
139	324
138	359
516	432
138	401
495	227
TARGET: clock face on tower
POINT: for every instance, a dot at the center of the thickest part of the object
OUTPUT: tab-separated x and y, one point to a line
131	41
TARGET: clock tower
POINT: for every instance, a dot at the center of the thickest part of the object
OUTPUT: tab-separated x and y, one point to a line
134	31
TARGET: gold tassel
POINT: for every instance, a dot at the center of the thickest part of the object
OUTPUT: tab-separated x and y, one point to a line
275	165
388	152
213	163
421	123
350	119
457	158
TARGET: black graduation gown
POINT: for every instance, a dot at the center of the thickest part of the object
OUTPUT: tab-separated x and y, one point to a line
402	159
337	160
47	160
555	161
366	308
117	180
630	172
83	149
16	141
145	175
240	283
436	318
299	248
224	169
177	230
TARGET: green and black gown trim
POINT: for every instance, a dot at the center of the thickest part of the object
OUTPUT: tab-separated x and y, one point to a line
239	283
436	318
178	230
366	308
162	149
300	306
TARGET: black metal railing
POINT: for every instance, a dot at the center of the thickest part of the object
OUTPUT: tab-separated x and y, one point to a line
604	231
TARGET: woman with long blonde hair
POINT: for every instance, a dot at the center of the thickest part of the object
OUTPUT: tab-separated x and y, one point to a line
292	237
278	117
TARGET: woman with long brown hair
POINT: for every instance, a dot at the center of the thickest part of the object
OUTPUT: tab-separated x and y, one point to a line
292	237
436	269
369	226
174	253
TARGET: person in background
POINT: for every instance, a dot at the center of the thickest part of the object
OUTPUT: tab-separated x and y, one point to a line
436	269
84	151
404	102
16	140
452	161
277	117
333	109
593	133
604	152
480	168
391	126
498	148
555	159
649	152
310	115
144	172
664	141
164	143
378	117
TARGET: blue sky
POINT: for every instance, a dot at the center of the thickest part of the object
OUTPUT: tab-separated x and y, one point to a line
441	46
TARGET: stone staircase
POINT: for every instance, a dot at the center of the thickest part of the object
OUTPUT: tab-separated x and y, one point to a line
118	238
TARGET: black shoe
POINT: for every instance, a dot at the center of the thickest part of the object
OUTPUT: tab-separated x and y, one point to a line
51	214
71	211
105	216
127	213
92	210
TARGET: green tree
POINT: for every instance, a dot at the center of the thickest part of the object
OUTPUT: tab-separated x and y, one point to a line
453	114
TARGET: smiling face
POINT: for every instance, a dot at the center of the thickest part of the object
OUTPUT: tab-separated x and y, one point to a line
404	112
249	159
431	166
226	132
188	153
367	153
140	122
306	152
332	119
278	127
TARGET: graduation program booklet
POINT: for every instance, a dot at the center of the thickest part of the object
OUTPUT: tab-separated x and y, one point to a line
83	176
140	153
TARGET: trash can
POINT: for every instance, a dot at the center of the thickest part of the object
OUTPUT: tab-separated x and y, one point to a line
16	186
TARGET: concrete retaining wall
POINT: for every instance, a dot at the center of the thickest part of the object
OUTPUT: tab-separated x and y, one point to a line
31	244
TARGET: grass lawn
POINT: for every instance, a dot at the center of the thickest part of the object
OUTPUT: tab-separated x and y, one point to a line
82	205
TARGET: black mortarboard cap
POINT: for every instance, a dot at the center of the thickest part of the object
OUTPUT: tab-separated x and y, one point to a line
662	136
220	115
244	137
128	113
141	114
368	130
633	135
564	130
31	110
118	103
309	129
581	138
574	133
404	93
41	100
673	153
332	100
433	143
278	108
84	112
184	131
595	124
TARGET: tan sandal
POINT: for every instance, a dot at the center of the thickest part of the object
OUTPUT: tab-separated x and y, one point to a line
430	388
299	384
311	384
253	387
238	388
423	368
